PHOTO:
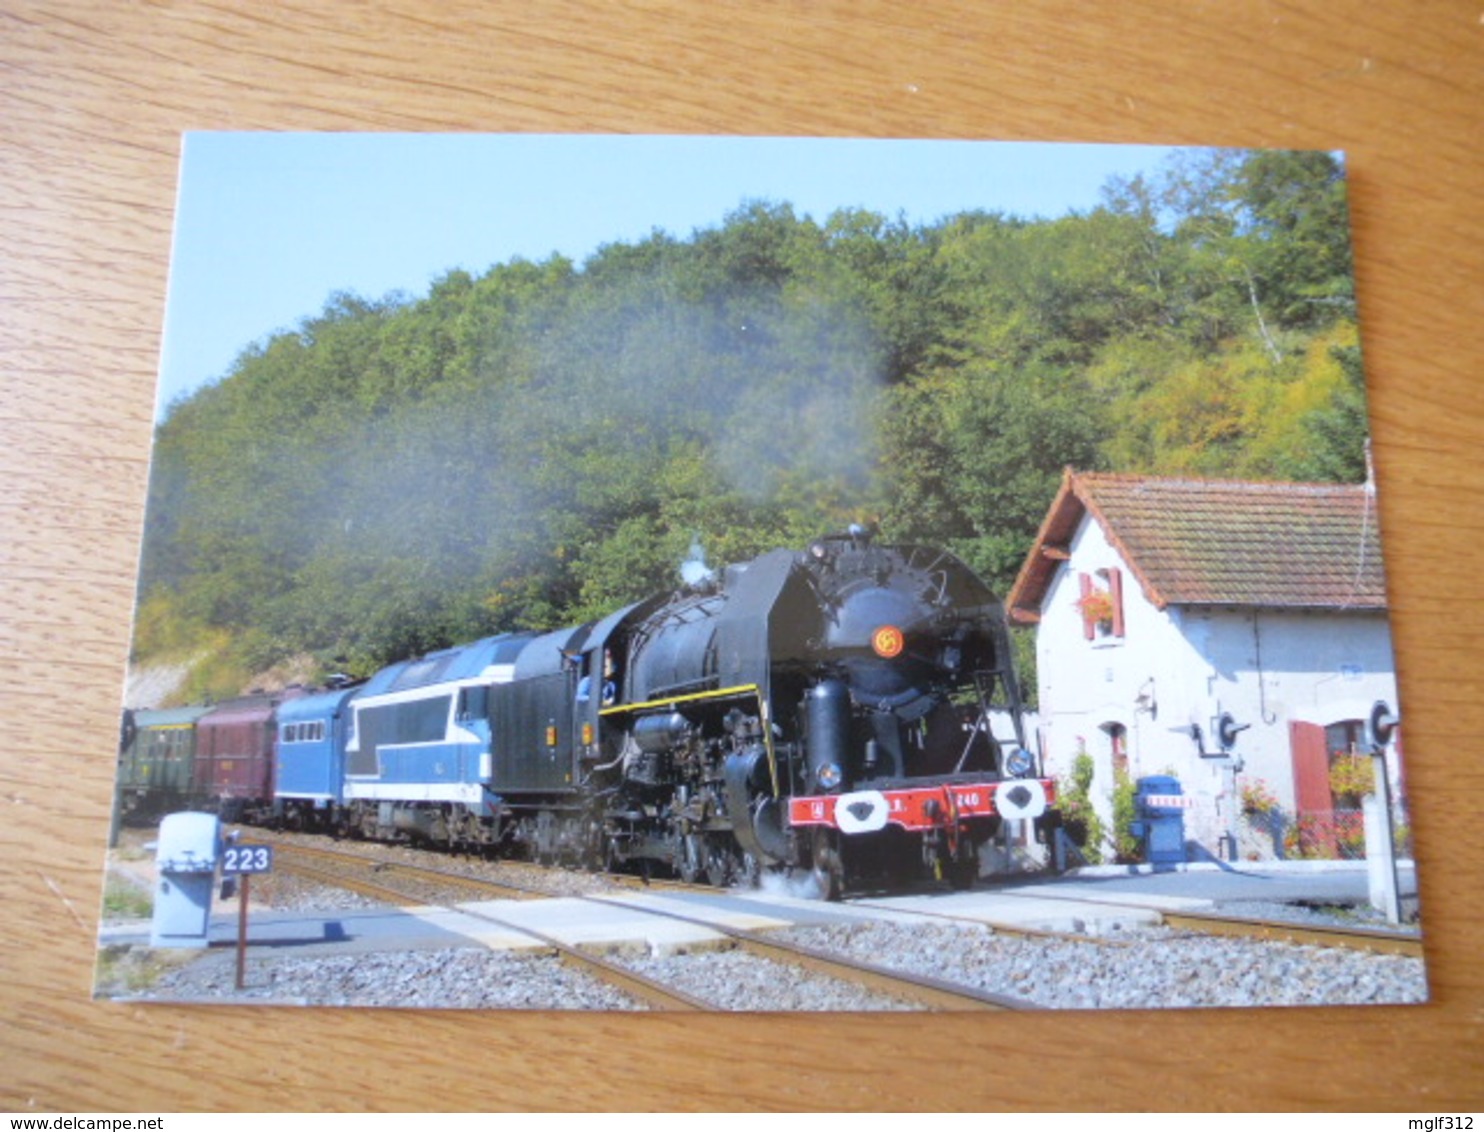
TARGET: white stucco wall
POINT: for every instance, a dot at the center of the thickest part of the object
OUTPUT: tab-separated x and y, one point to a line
1176	667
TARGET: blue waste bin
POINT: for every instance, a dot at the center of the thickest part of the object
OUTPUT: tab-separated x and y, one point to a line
1159	808
186	857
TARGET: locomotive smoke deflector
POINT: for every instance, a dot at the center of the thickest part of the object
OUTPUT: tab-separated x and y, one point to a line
827	718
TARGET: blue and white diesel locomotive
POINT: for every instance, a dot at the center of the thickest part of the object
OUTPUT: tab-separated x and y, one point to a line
826	710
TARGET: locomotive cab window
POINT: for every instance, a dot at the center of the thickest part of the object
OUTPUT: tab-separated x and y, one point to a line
473	703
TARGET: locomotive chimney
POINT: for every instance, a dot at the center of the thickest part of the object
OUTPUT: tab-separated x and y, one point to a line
694	571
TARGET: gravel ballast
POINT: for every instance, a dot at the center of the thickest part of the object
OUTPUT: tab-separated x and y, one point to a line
1143	970
1129	968
1136	969
733	980
459	978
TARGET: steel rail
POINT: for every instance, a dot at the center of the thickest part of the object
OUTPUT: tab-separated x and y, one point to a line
511	888
1251	927
999	927
1208	923
1322	935
924	990
646	990
424	872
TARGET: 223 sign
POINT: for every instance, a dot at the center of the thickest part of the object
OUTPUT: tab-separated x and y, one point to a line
247	859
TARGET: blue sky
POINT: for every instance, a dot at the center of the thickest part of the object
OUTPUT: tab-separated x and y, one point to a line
270	225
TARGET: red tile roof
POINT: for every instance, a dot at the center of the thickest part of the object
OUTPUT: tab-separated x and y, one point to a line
1218	542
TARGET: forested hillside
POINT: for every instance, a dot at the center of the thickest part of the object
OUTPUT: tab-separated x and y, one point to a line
539	444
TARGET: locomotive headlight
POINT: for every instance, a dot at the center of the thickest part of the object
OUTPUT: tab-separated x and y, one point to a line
887	642
1019	763
828	776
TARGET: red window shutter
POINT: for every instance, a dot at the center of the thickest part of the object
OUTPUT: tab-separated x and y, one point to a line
1115	592
1313	802
1084	582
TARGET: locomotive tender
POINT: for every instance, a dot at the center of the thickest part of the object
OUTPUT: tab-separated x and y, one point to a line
826	711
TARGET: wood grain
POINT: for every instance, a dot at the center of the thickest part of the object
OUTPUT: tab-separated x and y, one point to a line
93	98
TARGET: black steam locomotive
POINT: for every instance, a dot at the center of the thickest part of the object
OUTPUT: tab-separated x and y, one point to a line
827	711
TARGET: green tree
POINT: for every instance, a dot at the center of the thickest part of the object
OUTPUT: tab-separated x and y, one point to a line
540	443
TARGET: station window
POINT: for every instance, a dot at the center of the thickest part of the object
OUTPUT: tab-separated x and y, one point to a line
1100	602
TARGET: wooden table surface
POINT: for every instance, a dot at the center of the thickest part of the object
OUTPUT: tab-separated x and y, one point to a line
93	97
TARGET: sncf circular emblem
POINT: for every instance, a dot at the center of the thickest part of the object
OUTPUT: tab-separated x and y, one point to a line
887	641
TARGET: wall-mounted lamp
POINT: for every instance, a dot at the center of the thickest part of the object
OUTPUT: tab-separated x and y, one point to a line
1145	700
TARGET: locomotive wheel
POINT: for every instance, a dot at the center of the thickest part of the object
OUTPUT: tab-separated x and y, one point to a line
829	869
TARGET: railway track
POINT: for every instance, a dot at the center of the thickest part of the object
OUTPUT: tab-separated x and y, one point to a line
653	994
1003	927
930	993
1379	940
371	876
1357	939
432	957
411	885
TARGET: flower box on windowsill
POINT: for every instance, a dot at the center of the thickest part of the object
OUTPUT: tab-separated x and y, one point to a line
1096	608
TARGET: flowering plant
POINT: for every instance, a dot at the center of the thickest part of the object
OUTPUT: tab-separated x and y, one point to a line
1096	606
1257	798
1351	775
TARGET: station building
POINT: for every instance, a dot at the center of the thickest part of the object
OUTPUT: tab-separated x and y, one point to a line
1173	613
